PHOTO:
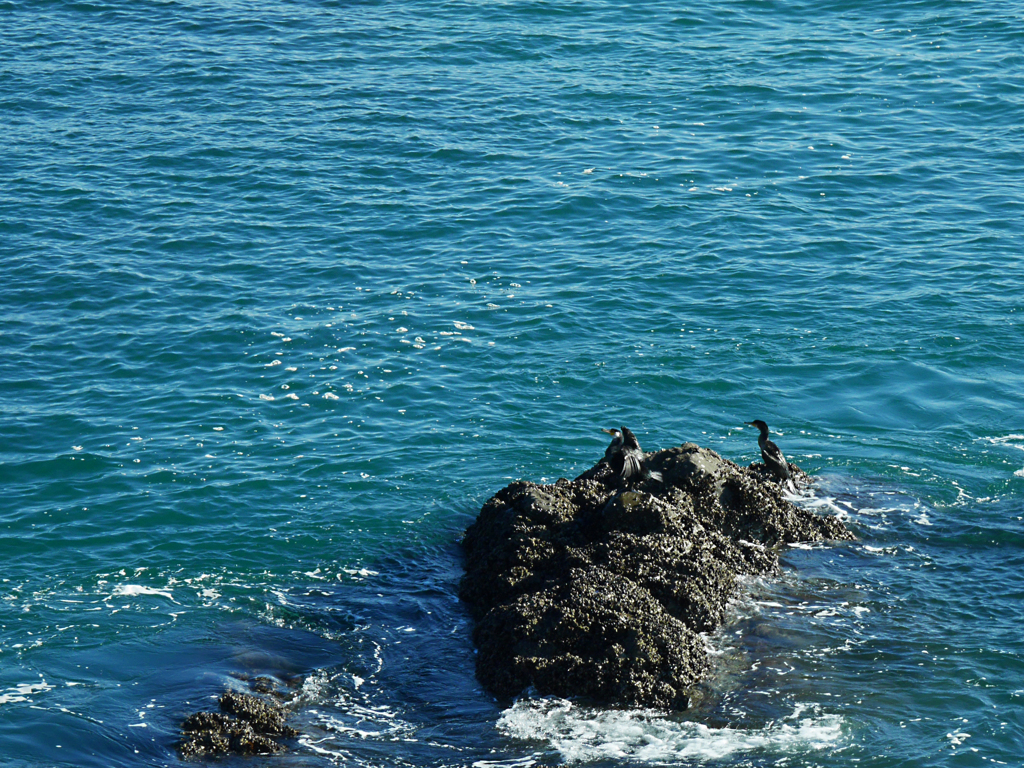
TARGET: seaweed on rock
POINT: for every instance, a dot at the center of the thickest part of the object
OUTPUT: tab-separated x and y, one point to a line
591	589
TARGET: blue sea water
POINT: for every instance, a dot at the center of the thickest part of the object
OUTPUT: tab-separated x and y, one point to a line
288	289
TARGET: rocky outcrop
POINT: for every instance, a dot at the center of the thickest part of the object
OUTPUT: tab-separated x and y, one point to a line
592	589
246	725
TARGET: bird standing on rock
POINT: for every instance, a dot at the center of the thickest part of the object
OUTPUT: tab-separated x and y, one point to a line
626	458
770	453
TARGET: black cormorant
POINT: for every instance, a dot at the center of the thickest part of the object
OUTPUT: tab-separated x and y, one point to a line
614	446
626	458
770	453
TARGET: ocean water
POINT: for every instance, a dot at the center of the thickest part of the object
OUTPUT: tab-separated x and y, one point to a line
288	289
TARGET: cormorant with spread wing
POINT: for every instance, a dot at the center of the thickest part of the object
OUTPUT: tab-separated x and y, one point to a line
626	458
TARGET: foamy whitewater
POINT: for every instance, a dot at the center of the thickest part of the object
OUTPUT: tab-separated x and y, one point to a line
644	736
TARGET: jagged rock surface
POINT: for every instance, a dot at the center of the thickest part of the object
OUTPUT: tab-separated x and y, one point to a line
245	726
587	588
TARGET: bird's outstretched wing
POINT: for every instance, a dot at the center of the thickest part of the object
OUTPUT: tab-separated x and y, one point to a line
630	466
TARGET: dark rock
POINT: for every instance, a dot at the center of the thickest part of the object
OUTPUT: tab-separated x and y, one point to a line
244	727
587	588
592	633
263	715
264	685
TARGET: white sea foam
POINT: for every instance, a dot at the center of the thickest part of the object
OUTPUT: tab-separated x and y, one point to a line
363	572
1006	441
1009	441
23	691
365	722
810	499
581	734
131	590
515	762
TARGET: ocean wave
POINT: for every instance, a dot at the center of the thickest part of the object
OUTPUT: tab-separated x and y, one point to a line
582	734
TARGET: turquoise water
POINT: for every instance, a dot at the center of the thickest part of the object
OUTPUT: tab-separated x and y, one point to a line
289	289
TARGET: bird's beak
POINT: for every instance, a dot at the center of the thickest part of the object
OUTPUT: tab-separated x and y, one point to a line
609	431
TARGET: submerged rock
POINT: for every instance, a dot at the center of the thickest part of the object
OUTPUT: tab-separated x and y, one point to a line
244	726
594	589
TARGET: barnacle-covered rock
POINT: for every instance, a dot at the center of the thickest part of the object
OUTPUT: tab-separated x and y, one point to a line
244	726
591	589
